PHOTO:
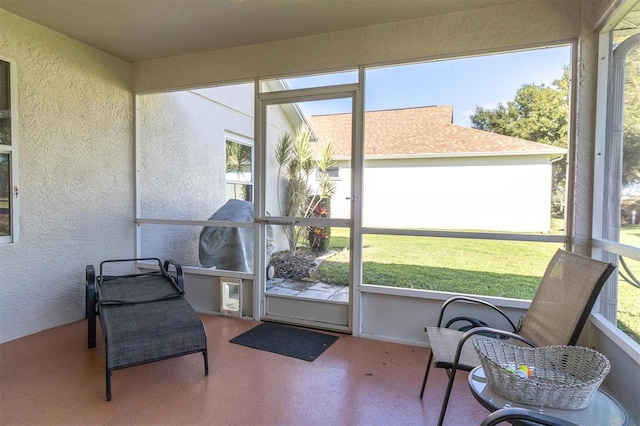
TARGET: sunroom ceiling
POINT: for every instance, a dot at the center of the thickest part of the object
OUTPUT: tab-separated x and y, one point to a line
150	29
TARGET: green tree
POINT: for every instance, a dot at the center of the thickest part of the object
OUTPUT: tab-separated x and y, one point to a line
538	113
296	164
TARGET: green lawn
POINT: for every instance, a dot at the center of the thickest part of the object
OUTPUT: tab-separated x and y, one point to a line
483	267
629	295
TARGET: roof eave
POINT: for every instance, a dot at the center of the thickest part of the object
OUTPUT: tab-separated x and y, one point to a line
553	154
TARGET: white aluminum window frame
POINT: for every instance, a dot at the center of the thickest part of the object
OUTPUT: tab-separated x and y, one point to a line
603	246
242	140
12	151
564	239
359	231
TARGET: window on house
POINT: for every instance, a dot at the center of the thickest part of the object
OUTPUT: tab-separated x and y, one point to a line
239	176
332	172
8	152
5	199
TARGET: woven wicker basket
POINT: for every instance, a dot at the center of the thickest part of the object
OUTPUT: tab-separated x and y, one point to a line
561	376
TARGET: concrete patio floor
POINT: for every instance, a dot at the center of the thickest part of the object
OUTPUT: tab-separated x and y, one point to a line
309	289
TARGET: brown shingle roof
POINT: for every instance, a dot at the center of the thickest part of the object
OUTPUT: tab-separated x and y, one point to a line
424	131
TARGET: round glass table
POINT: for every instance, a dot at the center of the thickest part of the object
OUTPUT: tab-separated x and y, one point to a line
603	409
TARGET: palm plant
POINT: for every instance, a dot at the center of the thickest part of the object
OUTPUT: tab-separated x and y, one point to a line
238	162
294	155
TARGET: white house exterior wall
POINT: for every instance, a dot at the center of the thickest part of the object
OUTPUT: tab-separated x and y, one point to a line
76	174
474	193
182	143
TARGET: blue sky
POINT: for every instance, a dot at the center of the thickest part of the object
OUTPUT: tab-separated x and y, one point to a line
463	83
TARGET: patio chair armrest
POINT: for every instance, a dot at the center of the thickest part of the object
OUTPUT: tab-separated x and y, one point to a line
467	299
513	413
484	330
179	278
90	305
490	330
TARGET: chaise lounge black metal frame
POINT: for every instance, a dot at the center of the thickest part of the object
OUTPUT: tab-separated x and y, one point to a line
144	317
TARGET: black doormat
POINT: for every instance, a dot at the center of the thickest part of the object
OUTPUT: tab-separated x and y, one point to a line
285	340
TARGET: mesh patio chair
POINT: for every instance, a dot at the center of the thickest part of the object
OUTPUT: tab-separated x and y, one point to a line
556	316
532	417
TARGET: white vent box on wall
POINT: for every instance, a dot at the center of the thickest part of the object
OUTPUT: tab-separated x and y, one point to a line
231	296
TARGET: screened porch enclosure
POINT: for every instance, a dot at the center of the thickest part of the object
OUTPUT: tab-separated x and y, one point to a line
97	126
431	179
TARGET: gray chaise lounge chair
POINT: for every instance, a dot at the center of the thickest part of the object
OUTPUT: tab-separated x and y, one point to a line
144	317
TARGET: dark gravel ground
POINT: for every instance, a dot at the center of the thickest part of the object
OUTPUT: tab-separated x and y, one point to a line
293	267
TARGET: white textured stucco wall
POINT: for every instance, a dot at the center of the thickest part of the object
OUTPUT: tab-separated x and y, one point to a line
181	168
75	171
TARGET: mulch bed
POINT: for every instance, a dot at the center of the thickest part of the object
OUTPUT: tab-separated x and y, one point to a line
293	267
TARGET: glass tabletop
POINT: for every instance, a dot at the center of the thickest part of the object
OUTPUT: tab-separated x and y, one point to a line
602	410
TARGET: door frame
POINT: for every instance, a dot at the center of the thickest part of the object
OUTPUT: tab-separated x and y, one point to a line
262	101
